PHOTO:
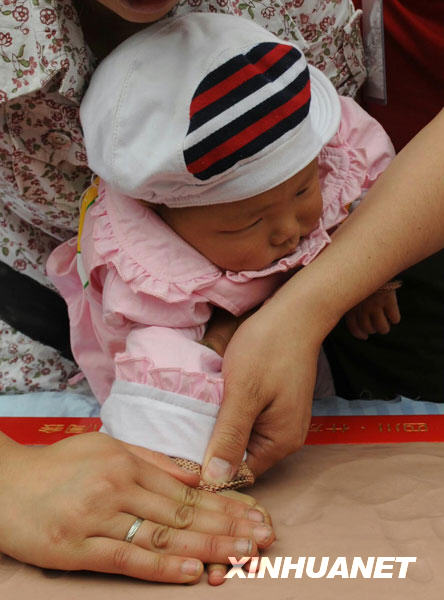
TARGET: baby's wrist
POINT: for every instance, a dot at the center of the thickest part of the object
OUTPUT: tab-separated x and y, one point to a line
389	287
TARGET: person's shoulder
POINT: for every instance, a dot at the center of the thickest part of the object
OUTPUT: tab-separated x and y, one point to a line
39	42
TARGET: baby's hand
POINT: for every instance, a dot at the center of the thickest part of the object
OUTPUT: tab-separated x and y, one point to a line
374	314
221	329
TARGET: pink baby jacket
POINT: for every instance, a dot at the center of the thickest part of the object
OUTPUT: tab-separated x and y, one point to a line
135	327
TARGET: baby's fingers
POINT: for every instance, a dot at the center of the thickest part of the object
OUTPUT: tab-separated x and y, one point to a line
391	309
111	556
380	322
354	326
216	573
249	500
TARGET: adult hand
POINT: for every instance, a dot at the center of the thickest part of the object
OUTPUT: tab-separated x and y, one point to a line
270	363
221	329
70	505
269	372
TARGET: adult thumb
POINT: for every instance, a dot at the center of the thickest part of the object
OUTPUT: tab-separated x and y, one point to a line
230	437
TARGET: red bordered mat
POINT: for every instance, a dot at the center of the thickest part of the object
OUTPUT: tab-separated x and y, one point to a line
378	429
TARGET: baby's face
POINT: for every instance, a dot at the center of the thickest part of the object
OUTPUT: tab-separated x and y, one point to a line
252	233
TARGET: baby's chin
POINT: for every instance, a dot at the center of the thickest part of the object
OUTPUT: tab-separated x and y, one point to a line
254	264
239	266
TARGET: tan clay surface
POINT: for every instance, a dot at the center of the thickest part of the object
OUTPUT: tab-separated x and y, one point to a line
382	500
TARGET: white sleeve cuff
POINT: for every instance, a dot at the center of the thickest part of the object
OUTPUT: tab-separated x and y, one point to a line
163	421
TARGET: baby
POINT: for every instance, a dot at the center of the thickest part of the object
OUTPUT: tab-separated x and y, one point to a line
224	161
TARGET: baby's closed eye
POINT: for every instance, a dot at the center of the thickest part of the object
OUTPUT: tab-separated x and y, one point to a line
243	228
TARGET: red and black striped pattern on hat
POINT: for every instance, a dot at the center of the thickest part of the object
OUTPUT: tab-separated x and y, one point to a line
245	105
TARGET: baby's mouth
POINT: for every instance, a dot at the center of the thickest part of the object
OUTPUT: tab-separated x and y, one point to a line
289	250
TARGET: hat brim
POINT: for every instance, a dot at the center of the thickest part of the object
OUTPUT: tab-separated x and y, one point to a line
290	154
325	109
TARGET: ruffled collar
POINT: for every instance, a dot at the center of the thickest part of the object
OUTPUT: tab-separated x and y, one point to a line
148	255
306	251
152	244
165	256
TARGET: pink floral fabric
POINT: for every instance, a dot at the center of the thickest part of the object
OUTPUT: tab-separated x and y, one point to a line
44	69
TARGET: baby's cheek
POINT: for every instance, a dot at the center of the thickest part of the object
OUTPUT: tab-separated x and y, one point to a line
227	254
242	255
256	256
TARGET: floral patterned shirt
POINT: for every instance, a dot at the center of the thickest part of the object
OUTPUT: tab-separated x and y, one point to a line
44	69
45	66
328	32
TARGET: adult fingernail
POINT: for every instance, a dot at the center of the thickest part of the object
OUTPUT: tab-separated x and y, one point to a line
255	515
191	567
243	547
217	471
262	534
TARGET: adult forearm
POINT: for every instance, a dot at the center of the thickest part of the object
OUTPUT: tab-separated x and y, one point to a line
400	222
270	364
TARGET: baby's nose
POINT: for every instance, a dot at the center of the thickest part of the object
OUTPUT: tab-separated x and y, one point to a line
287	234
